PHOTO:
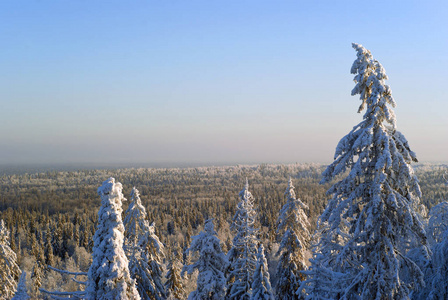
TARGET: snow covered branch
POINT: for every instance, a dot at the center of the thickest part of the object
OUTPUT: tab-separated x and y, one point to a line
67	272
70	295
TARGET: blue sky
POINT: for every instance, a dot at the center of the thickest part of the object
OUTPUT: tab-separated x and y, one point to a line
211	81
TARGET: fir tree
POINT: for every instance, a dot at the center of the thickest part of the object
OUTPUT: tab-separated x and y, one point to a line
370	215
211	264
108	276
243	254
36	277
9	270
293	225
49	258
144	250
174	282
261	286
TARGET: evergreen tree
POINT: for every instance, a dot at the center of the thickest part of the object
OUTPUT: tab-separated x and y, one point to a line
370	216
144	250
293	225
174	282
243	255
9	270
36	277
58	242
49	258
85	237
211	264
21	293
261	286
108	276
76	235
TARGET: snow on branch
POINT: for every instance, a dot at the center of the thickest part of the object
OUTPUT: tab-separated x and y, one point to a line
79	282
68	272
58	295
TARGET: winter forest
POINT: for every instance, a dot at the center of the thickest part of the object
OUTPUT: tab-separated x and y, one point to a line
371	225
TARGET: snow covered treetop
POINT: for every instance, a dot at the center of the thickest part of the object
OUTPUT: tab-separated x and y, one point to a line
209	227
290	190
135	206
152	228
245	195
135	194
370	85
109	187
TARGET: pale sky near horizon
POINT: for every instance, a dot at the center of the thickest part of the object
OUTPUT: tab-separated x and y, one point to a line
211	81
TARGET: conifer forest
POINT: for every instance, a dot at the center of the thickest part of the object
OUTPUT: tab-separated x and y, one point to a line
373	224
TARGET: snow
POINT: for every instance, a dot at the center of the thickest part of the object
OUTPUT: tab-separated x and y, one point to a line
21	293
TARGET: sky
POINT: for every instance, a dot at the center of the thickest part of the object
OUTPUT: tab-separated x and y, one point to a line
211	82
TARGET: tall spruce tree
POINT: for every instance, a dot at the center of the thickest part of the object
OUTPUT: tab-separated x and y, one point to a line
9	270
370	215
211	264
293	227
144	250
108	276
243	254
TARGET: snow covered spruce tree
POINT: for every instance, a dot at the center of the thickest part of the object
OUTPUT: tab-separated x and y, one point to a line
9	270
243	254
211	264
293	226
108	276
144	250
261	286
370	216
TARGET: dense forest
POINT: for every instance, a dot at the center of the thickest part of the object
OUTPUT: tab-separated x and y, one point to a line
52	216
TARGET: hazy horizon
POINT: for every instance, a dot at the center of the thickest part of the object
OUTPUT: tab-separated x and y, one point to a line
10	169
197	82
